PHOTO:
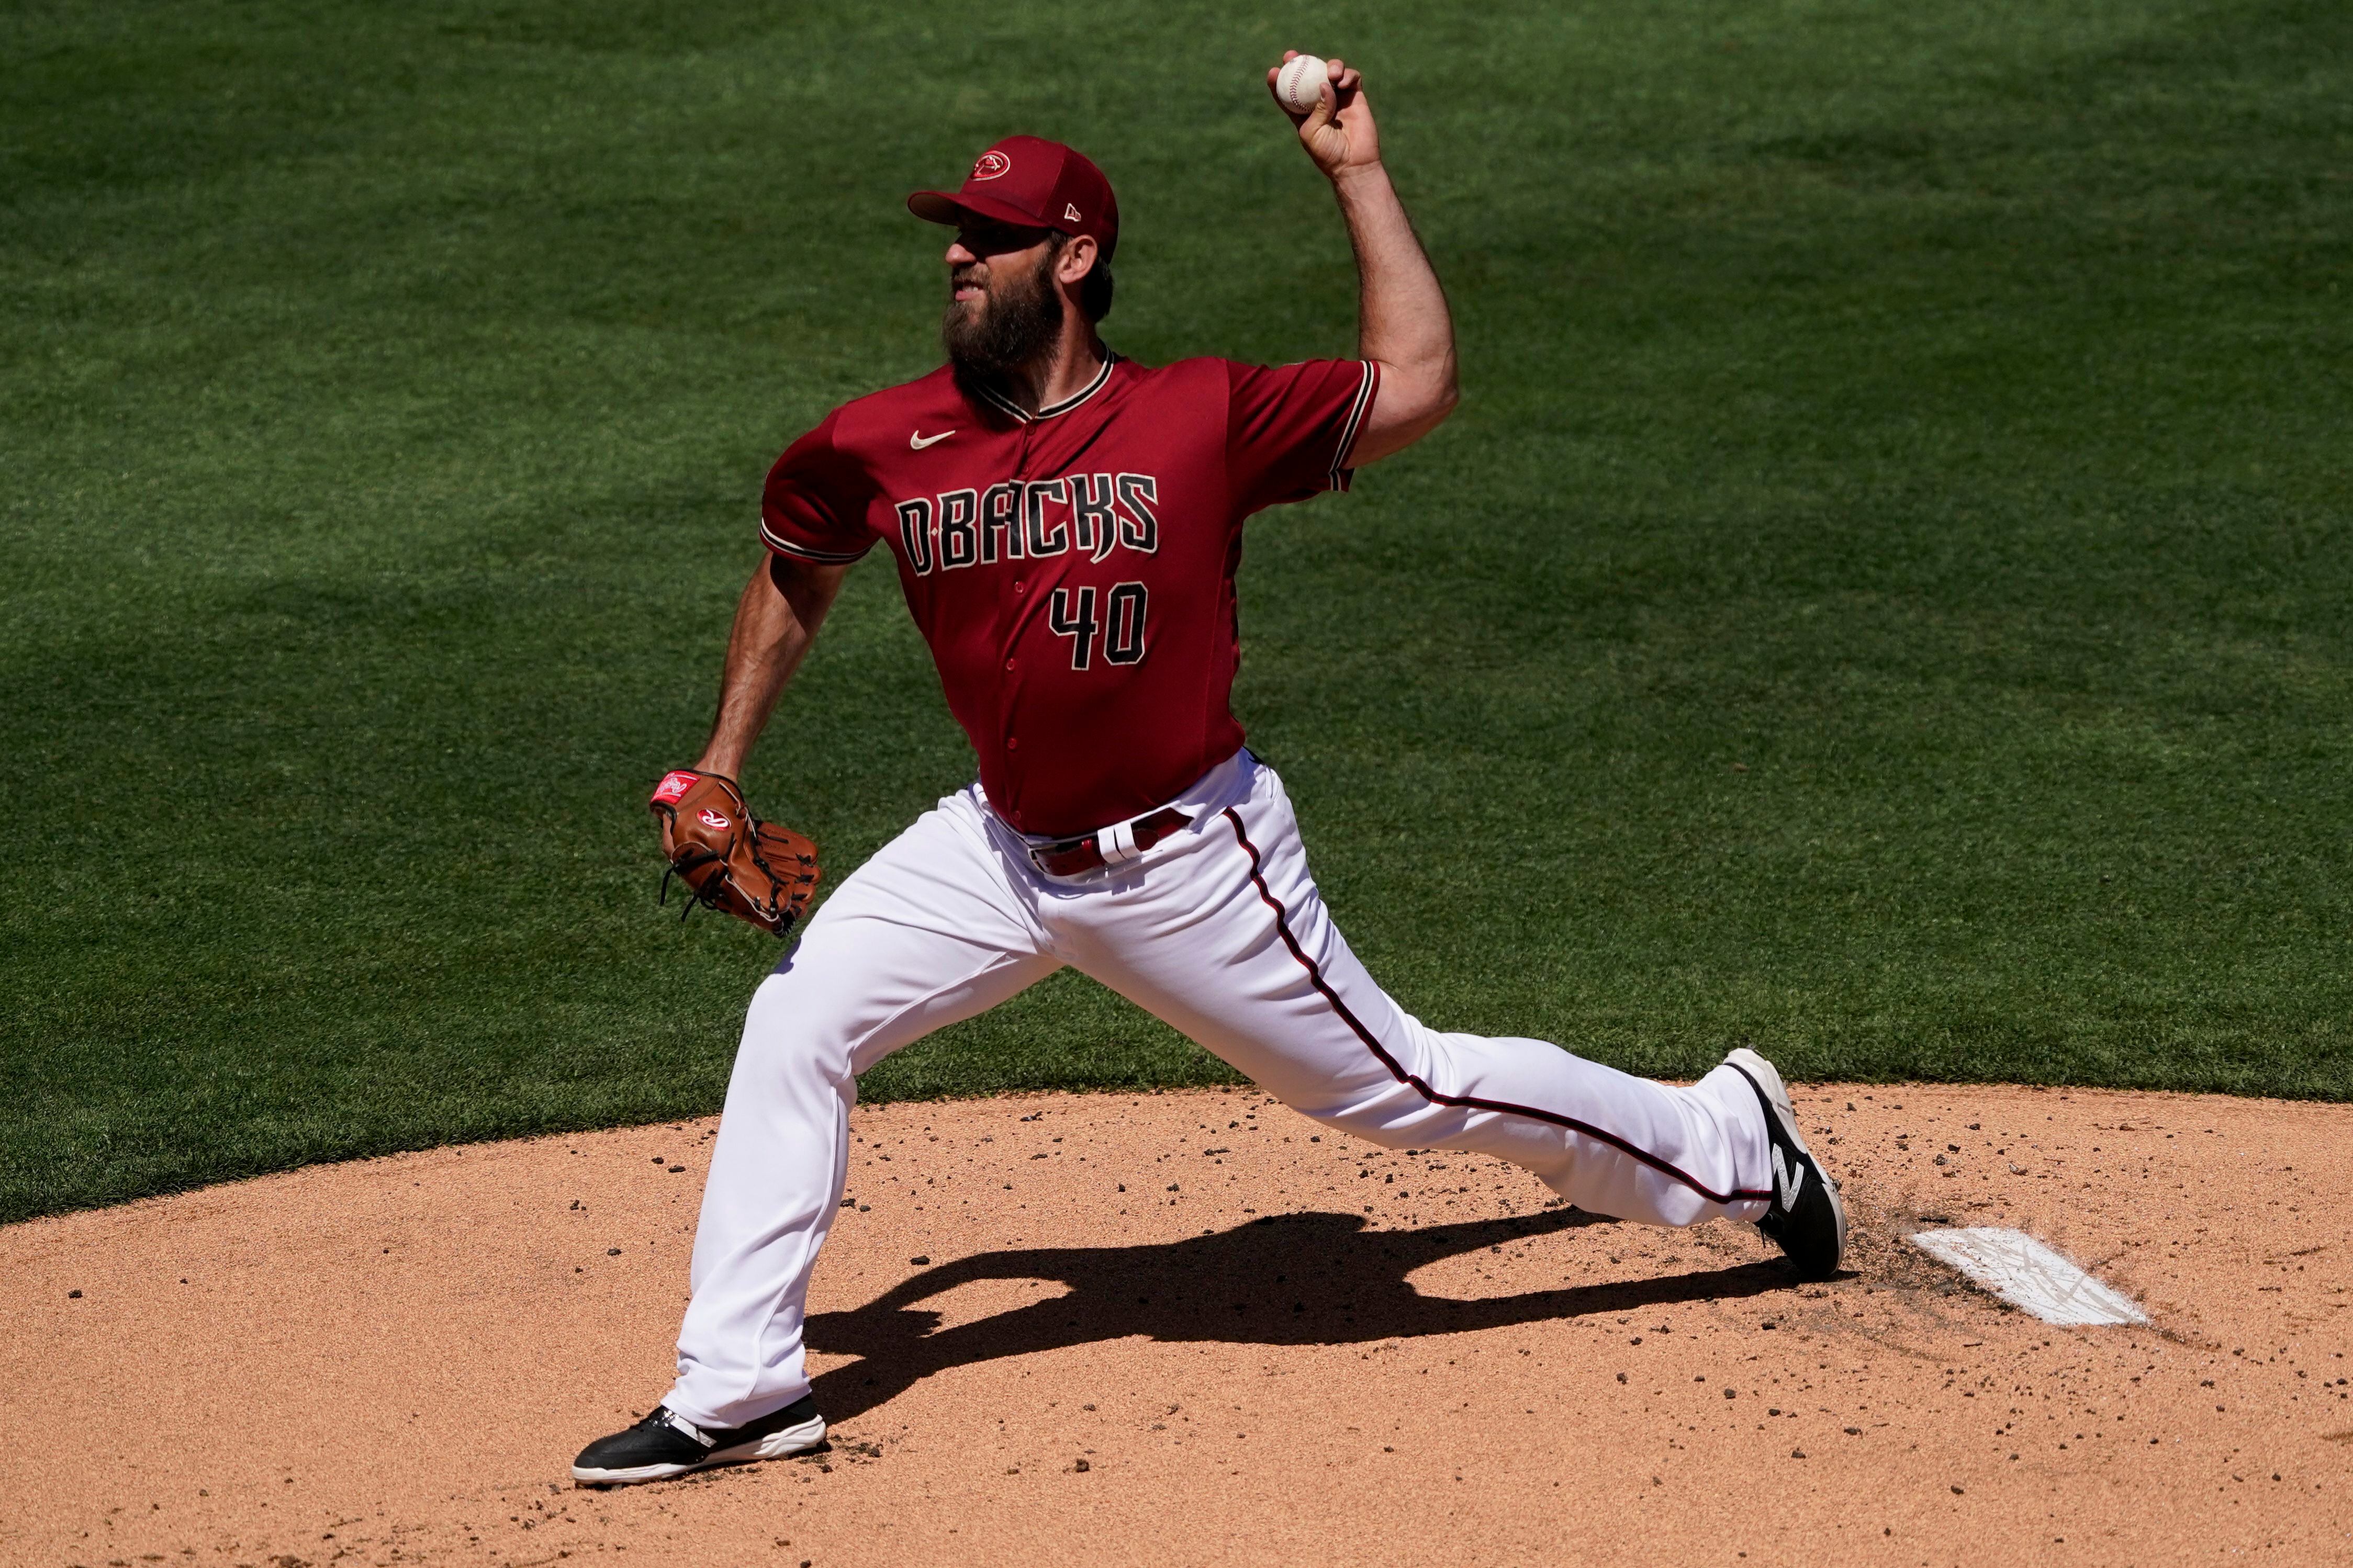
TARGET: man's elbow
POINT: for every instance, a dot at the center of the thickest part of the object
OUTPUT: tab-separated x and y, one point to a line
1436	388
1435	398
807	587
1415	399
1442	402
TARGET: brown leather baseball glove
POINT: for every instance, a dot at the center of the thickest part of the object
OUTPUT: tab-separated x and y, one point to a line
727	857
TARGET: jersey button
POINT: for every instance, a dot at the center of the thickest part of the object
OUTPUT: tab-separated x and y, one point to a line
1012	742
1018	585
1008	664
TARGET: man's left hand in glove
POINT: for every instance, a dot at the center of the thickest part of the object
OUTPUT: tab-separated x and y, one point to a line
727	857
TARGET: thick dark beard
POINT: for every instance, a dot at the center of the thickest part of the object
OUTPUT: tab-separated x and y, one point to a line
1019	327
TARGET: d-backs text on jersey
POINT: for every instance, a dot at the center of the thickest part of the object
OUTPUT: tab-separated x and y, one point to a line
1091	513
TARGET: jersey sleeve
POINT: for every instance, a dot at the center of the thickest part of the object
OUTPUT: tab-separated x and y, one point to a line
1288	430
814	506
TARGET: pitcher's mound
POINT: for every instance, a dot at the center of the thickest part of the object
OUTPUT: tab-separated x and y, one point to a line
1189	1328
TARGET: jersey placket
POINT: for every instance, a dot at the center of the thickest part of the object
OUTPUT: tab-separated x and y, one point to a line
1013	621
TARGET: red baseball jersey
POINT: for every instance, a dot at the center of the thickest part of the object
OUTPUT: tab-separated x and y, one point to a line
1073	569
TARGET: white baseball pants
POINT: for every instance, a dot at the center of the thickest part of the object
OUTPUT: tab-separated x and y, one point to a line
1218	930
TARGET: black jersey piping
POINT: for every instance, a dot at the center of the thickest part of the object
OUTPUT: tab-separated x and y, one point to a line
1005	404
1367	389
783	546
1468	1101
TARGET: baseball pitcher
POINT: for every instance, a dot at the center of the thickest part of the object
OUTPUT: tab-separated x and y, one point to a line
1066	524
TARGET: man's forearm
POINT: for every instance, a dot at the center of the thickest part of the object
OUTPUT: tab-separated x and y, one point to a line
1402	319
1403	324
779	614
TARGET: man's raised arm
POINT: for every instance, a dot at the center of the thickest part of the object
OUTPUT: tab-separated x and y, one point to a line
1403	324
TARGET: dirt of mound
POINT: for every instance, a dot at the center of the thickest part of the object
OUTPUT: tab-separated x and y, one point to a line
1184	1328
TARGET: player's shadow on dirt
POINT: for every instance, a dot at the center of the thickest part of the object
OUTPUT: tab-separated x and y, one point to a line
1288	1279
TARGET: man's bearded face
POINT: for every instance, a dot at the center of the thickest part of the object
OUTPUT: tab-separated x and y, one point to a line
1002	315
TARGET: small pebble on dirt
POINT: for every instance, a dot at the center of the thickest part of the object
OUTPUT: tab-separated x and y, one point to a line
920	1259
612	1252
73	1295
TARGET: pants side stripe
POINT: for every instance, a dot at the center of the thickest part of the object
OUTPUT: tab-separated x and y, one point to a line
1465	1102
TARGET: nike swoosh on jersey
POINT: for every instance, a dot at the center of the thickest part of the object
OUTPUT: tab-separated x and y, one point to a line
1788	1176
918	440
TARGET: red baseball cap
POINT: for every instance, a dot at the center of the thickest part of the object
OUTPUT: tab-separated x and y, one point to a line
1033	183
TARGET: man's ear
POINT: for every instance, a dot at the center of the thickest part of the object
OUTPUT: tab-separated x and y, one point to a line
1077	259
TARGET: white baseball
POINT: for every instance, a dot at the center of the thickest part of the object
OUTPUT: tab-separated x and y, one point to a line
1299	86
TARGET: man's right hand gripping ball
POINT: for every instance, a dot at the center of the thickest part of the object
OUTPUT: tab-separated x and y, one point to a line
727	857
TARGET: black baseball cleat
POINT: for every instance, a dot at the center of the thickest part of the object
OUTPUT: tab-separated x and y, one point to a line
1807	1217
666	1444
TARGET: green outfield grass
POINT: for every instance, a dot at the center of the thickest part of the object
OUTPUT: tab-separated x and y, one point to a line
1885	594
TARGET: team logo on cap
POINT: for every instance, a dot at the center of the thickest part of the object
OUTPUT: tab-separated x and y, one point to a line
1070	212
991	164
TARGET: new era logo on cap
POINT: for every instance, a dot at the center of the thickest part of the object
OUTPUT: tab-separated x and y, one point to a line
1033	183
